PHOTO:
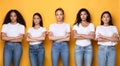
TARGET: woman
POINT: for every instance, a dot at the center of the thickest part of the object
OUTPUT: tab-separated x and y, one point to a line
35	36
83	32
107	36
12	33
59	33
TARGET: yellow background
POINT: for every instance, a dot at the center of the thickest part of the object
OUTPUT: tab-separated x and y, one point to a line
47	8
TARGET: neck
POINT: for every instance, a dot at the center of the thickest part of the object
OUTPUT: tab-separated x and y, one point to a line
13	22
37	26
59	22
84	22
105	24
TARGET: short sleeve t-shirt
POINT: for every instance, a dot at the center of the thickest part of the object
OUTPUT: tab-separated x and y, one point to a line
36	33
59	29
13	30
106	31
83	30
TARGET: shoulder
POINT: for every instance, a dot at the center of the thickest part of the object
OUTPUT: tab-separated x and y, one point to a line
91	24
4	25
20	25
67	24
99	27
113	26
42	28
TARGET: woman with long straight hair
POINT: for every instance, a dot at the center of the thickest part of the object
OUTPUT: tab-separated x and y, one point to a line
35	35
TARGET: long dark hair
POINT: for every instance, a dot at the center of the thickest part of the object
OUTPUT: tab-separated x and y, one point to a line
78	18
41	21
20	18
106	12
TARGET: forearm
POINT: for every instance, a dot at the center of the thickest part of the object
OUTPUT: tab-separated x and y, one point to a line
31	40
16	40
102	40
88	36
39	38
8	38
112	38
65	39
56	37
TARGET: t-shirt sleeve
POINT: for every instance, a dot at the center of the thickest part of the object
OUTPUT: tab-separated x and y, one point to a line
44	29
4	28
74	27
97	32
51	28
22	30
29	30
92	28
68	27
115	30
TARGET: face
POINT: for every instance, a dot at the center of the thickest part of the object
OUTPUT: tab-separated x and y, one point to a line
83	16
106	18
13	17
59	16
36	19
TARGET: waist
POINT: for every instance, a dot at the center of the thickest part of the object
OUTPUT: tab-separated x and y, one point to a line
13	42
36	46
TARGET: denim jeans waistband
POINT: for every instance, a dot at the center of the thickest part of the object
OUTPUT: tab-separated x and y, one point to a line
60	42
12	42
36	46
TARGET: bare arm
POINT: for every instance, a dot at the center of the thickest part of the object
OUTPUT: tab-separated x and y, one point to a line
113	38
104	38
83	36
12	39
54	38
35	39
65	39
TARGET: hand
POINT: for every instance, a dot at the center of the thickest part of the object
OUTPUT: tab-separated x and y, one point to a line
29	36
100	36
67	35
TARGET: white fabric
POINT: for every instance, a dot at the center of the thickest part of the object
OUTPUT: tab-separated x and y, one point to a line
59	29
83	30
13	30
106	31
36	33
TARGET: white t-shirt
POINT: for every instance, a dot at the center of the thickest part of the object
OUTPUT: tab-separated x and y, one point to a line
13	30
106	31
36	33
59	29
83	30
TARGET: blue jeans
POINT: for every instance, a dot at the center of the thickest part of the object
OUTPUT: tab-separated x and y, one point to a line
60	48
12	51
83	52
106	56
36	54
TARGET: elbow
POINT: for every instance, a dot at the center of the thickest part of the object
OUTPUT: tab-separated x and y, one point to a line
28	39
74	36
93	37
68	39
4	38
50	38
43	38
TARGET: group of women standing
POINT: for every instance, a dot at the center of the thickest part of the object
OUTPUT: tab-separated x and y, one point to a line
83	31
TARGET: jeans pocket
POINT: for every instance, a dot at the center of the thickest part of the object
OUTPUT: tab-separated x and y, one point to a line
112	48
77	48
101	48
89	47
